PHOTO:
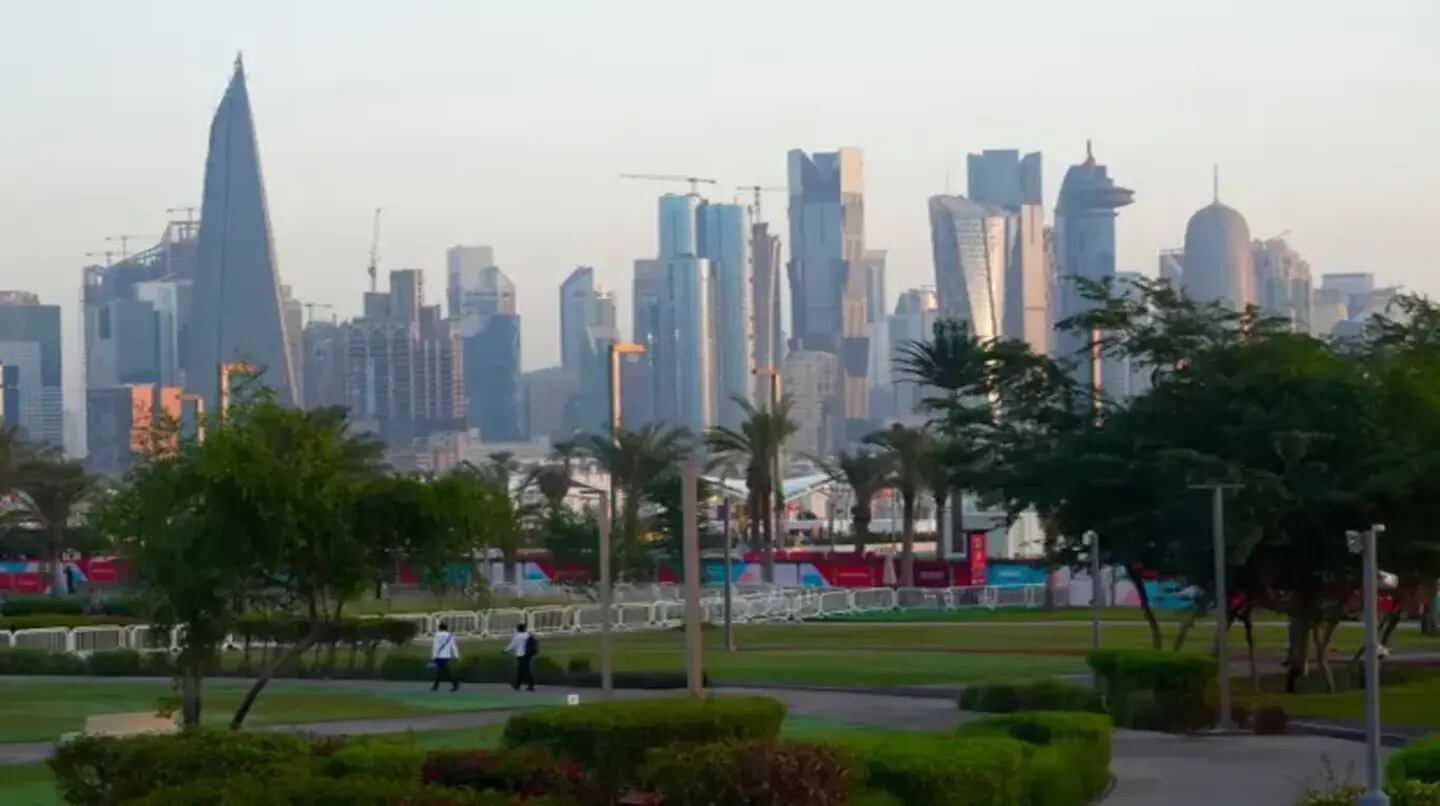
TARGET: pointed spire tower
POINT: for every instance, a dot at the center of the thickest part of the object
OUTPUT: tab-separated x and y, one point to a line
236	313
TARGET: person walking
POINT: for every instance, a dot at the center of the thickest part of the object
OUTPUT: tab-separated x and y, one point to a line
524	646
442	651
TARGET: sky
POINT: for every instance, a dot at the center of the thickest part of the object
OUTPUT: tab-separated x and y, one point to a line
508	124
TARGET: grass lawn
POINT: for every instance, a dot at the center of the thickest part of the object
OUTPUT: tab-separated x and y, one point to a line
44	710
1409	695
27	785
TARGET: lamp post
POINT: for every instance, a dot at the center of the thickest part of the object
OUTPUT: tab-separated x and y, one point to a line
1222	598
607	659
694	666
1363	543
729	618
1092	540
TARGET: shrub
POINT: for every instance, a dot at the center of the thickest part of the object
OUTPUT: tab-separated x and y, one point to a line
760	773
943	770
610	739
107	770
1179	685
307	791
42	621
875	797
1043	695
1404	793
404	667
653	681
1077	750
374	758
42	606
115	663
1270	720
1418	761
524	771
24	660
578	665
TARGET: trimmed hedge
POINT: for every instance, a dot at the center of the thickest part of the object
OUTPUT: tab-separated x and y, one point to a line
941	770
1076	752
760	773
1405	793
1043	695
300	790
375	758
104	770
49	620
128	663
527	772
1417	761
23	660
1156	690
610	739
128	606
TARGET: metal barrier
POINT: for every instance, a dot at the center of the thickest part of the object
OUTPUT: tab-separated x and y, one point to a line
550	620
461	622
871	599
98	638
424	623
51	639
921	598
503	621
6	640
634	616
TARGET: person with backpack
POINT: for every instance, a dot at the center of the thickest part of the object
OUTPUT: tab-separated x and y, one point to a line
442	651
524	646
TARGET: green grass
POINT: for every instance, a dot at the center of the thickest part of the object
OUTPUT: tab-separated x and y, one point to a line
1409	696
28	785
43	710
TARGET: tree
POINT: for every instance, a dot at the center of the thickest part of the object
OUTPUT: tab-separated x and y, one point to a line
908	449
53	490
633	458
866	472
756	445
553	478
935	477
491	519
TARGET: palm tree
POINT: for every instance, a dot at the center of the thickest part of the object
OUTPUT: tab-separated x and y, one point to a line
553	478
51	490
907	449
756	444
867	473
936	478
633	458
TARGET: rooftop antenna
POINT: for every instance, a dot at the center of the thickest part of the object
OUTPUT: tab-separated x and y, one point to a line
1215	181
1089	153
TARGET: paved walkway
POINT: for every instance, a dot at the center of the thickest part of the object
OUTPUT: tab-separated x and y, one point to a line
1149	768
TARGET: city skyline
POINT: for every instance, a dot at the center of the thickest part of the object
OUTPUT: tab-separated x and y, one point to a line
325	174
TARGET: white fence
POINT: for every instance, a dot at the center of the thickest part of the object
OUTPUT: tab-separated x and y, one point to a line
748	604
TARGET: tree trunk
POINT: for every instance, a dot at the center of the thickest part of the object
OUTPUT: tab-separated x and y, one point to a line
1247	617
1138	580
907	561
1427	608
1297	656
767	544
1323	632
190	690
1196	610
942	545
56	532
264	679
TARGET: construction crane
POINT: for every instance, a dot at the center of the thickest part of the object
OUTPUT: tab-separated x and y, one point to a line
374	249
759	189
188	211
109	256
310	309
695	181
124	243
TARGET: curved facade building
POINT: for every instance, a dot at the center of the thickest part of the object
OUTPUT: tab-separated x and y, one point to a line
1218	262
967	239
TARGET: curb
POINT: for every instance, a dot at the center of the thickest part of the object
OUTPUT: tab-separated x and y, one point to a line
1387	739
1109	790
907	692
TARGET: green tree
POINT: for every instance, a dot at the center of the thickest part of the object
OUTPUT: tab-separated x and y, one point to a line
51	492
633	458
866	472
755	445
908	449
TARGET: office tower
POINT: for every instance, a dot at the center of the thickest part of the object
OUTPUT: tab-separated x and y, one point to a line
827	288
1283	286
492	377
1004	178
1351	284
237	310
873	264
725	244
404	377
646	395
812	379
1345	301
1172	267
1084	248
126	422
293	312
604	324
968	241
1218	258
323	378
169	299
1134	377
577	305
464	266
9	395
679	225
916	312
30	352
690	318
549	397
768	331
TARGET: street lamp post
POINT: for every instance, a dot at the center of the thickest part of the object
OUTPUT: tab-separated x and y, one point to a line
1363	543
694	651
1222	598
607	659
729	619
1092	540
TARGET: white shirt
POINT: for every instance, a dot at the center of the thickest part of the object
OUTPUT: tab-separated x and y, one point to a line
517	643
444	646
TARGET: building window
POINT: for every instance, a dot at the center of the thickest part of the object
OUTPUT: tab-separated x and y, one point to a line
105	322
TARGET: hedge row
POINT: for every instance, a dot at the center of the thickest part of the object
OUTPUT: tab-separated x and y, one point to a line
1044	695
756	772
1418	761
1156	690
71	606
1071	762
1404	793
51	620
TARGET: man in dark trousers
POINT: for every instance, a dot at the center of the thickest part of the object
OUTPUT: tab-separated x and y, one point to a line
524	646
442	651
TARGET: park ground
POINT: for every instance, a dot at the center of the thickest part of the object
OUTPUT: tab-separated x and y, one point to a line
919	655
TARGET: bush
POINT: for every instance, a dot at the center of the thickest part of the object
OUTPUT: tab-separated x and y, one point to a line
306	791
42	606
39	661
760	773
942	770
115	663
1078	749
875	797
1418	761
1178	684
524	771
610	739
42	621
579	665
374	758
1044	695
405	667
1270	720
1405	793
105	770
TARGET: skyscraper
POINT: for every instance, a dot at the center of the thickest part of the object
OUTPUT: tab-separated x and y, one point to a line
691	319
1218	260
30	352
464	268
969	246
874	266
679	225
725	244
648	398
483	307
237	311
1283	285
1085	248
323	378
1004	179
577	306
827	288
913	321
769	333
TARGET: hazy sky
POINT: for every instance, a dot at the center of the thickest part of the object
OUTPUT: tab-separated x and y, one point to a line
506	124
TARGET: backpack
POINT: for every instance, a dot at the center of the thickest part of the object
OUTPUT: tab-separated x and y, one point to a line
532	646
